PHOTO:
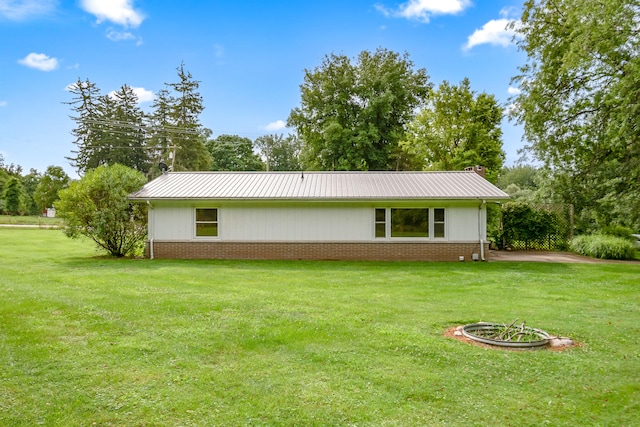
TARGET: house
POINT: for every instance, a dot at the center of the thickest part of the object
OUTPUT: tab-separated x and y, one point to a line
319	215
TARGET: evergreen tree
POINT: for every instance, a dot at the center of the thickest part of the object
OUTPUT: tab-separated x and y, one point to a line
109	128
86	104
159	125
186	132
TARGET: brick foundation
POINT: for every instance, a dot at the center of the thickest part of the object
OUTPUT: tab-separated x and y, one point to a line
375	251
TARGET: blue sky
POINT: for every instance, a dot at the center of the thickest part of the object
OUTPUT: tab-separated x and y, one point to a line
249	57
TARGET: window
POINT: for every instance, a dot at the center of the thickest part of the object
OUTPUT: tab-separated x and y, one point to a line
381	222
401	223
206	222
409	222
438	223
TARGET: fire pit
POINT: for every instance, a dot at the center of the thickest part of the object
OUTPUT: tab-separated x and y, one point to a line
515	336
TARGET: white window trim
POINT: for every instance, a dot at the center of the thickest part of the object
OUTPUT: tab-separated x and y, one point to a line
195	222
411	239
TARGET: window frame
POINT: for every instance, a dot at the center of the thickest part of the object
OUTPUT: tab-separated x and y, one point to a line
196	222
431	223
385	222
443	222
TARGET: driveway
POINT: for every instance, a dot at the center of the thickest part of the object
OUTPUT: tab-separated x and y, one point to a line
545	256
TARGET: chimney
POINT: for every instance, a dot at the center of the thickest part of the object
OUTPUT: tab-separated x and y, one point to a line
480	170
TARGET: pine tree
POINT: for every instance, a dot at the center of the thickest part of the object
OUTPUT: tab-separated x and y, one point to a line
186	133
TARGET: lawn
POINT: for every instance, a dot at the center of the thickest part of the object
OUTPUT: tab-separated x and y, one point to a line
31	220
88	340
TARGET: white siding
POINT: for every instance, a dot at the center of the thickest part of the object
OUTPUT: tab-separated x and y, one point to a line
171	222
296	223
299	222
462	223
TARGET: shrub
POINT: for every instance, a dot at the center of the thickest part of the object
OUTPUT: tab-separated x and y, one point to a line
603	246
97	207
618	231
522	223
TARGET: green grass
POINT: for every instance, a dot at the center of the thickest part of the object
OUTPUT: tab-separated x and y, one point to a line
31	220
87	340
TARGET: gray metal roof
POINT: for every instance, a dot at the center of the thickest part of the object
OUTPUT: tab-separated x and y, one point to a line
319	186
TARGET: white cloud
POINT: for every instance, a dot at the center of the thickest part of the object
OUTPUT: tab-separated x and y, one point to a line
39	61
17	10
3	104
422	10
117	36
143	94
119	12
277	125
494	32
514	91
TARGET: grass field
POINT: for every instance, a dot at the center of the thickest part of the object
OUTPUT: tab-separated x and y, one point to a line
88	340
31	220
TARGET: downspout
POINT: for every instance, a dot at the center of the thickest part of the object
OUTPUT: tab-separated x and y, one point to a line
480	235
151	239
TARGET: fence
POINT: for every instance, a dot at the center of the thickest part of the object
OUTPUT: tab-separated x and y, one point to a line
536	226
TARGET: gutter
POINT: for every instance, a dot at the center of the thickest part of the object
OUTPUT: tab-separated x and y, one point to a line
151	239
480	236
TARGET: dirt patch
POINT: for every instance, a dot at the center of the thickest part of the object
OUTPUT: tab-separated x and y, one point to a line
455	332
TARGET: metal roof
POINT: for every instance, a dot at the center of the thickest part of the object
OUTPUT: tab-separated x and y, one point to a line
318	186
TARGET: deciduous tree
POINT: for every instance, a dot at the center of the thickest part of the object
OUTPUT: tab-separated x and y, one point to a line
457	128
233	153
353	114
53	180
280	153
14	197
579	102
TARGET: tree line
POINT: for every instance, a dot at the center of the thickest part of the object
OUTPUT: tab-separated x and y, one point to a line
355	114
31	193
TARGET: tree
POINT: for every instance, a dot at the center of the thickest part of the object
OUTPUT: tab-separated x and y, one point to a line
159	123
579	102
186	132
87	131
456	129
109	128
126	138
29	183
53	180
233	153
280	153
97	207
13	197
7	172
353	115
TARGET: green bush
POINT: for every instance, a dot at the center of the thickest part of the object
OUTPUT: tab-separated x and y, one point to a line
524	224
603	246
618	231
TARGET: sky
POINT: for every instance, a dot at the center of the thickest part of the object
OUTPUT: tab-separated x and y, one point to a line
249	57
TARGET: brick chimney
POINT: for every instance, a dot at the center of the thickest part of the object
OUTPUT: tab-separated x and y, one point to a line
480	170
